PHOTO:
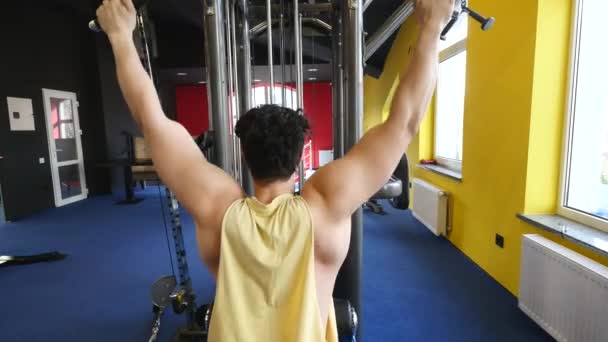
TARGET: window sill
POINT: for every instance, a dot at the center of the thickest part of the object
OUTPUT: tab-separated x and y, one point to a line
592	238
442	171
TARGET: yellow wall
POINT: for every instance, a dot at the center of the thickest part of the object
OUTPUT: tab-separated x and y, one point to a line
515	91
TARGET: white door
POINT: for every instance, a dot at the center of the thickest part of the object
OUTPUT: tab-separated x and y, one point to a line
65	148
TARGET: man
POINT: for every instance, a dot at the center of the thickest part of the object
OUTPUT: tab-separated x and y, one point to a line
275	256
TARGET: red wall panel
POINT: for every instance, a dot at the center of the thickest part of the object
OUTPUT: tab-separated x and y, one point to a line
318	109
192	108
193	112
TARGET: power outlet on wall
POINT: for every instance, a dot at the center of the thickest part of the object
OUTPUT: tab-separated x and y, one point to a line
500	241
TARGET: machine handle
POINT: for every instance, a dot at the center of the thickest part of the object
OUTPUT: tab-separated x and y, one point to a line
449	26
486	23
94	24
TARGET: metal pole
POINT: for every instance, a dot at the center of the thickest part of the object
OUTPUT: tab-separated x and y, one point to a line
319	23
270	51
306	8
235	93
337	86
231	86
297	20
282	34
348	283
215	56
261	27
298	43
244	84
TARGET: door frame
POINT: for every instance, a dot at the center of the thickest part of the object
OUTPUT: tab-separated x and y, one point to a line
2	199
47	94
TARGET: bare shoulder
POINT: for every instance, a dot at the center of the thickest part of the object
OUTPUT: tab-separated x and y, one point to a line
209	227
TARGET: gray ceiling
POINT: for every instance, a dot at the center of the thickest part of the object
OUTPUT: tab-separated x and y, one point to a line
180	38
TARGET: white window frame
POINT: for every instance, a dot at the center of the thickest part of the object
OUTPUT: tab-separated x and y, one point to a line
444	55
562	209
270	90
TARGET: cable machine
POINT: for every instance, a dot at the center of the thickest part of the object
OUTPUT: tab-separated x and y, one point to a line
229	77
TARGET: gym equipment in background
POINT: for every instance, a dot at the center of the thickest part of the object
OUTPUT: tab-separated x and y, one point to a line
175	289
396	190
391	189
460	8
205	142
346	318
6	260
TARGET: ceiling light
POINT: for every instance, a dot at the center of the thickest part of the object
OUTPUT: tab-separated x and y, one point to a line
182	74
256	80
201	82
312	78
313	70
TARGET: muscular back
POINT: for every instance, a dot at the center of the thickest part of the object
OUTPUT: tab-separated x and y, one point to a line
268	251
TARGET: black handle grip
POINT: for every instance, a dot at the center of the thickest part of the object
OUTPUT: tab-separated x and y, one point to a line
486	23
94	24
450	24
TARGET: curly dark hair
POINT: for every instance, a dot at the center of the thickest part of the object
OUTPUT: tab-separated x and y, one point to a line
272	138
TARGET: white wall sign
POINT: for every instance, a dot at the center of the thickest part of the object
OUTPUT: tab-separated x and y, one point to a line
325	156
20	114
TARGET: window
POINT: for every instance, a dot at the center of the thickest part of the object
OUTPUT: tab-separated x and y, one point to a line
449	100
260	95
584	192
63	122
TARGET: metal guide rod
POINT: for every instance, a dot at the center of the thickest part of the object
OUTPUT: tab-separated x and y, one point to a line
303	8
319	23
270	51
297	20
215	56
234	104
392	24
244	81
337	86
299	66
348	283
231	86
185	282
282	62
178	239
261	27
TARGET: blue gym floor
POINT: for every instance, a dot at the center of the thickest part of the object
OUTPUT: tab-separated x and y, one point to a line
416	287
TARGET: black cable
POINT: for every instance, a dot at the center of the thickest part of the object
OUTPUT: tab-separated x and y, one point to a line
162	210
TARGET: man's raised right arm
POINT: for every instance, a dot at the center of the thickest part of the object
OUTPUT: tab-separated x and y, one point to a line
343	185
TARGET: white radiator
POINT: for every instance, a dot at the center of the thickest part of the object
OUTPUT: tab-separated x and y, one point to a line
430	206
563	291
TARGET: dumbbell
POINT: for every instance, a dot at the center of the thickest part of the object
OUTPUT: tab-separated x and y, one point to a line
486	23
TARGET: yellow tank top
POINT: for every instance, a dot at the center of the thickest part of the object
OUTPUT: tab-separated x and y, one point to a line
266	290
